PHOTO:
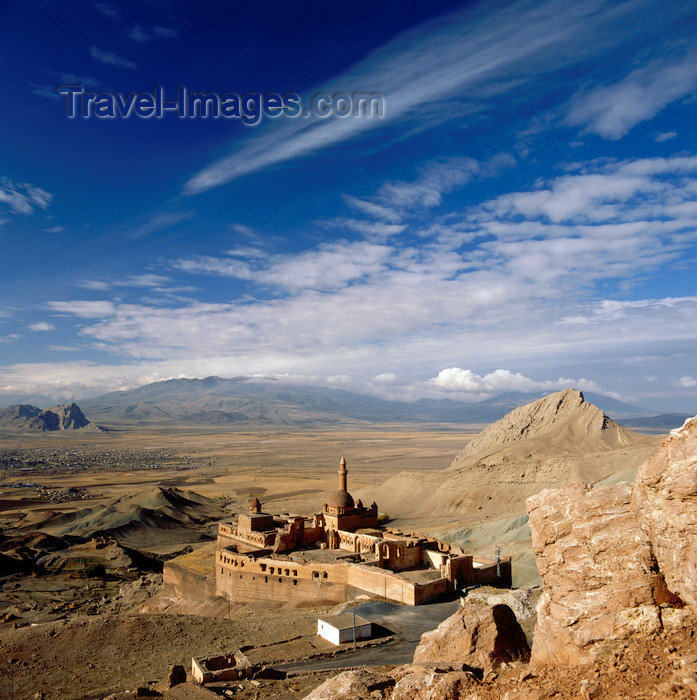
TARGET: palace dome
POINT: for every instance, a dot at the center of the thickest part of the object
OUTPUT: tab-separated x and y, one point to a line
341	499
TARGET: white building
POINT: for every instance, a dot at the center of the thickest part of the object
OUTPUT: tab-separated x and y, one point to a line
338	629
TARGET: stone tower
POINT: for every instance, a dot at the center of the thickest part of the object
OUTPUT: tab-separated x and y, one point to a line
343	472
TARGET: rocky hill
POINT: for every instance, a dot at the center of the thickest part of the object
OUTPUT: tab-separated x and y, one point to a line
556	440
145	520
563	422
27	418
479	501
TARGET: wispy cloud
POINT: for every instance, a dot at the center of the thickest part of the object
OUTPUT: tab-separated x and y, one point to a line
42	326
613	110
21	198
111	59
108	10
159	222
143	35
479	55
84	309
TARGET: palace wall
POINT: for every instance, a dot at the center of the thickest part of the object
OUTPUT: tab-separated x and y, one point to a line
243	580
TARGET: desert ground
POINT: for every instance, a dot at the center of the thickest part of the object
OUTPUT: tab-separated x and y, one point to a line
292	469
65	636
77	638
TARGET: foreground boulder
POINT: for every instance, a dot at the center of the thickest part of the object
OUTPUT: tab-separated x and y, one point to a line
359	684
599	573
665	502
409	682
415	681
477	635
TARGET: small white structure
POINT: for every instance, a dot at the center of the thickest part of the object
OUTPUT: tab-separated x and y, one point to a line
338	629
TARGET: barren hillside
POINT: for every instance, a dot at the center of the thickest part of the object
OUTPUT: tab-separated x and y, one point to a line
557	440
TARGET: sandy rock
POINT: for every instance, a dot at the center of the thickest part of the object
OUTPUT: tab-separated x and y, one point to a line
477	635
598	571
360	684
426	682
665	501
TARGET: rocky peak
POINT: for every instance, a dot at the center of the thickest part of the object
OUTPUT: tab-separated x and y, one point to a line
564	418
64	417
24	417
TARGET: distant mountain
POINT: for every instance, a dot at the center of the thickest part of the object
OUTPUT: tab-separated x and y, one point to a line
563	421
556	440
664	421
244	401
26	418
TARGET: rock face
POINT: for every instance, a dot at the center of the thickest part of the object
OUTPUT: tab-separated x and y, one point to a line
665	501
599	573
477	635
28	418
564	418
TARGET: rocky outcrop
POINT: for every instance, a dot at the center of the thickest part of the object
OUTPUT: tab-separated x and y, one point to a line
599	574
26	418
409	682
414	682
359	684
665	502
478	635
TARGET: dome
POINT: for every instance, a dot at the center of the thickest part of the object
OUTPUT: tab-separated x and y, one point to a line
340	499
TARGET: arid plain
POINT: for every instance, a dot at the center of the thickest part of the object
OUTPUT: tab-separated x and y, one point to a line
77	638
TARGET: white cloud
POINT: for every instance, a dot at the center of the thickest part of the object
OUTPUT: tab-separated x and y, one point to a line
377	211
42	326
464	381
330	266
111	59
496	285
83	309
21	198
665	136
145	280
385	378
687	382
96	285
612	111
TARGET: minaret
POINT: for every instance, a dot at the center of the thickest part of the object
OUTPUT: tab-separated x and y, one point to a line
342	475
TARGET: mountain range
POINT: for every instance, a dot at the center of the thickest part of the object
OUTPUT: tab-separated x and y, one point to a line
217	401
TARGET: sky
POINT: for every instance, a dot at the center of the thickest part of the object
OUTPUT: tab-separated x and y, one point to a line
521	214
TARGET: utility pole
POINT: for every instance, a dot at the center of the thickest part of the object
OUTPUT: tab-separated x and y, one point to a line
354	628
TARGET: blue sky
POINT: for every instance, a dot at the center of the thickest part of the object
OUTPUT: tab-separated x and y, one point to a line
522	217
